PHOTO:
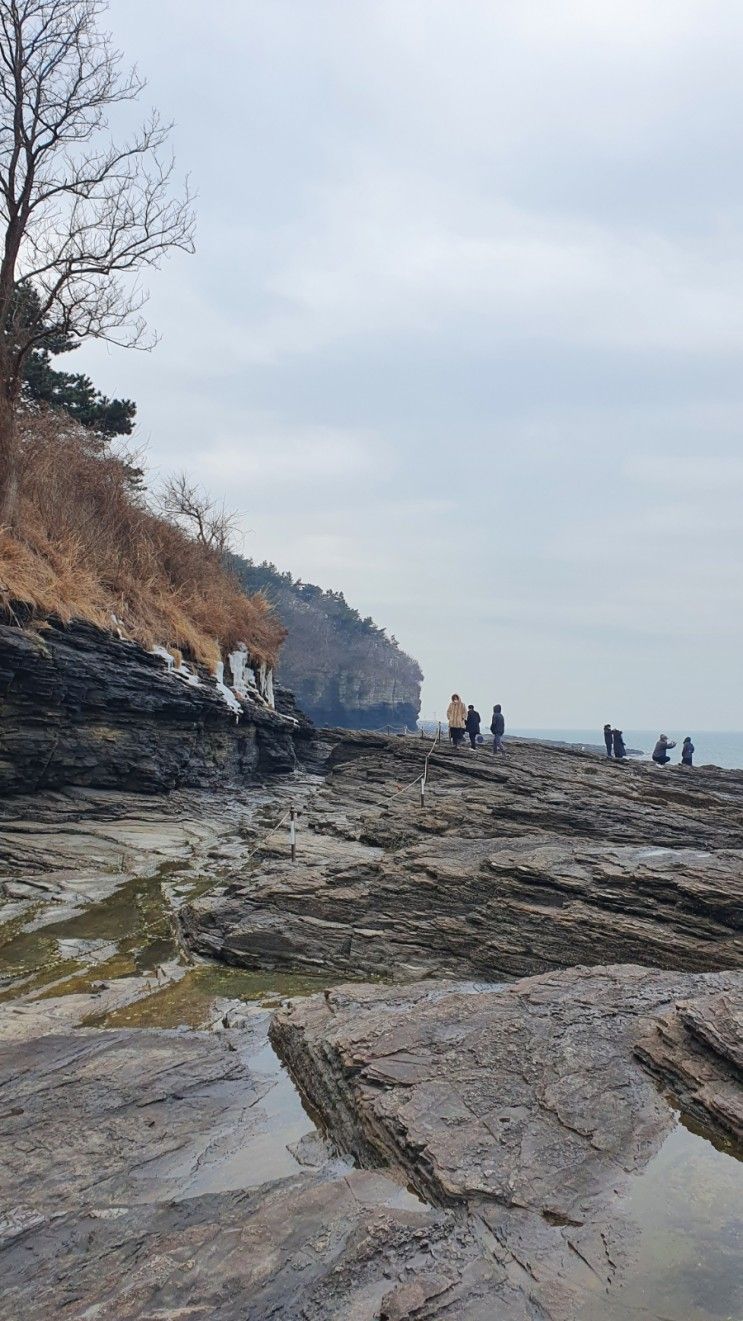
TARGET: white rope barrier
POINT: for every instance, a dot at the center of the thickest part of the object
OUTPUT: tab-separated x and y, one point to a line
292	814
257	847
421	779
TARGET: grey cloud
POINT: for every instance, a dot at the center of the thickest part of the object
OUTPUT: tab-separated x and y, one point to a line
464	331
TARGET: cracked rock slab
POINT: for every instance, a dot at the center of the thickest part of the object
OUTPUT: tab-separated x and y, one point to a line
308	1249
135	1186
527	1108
485	908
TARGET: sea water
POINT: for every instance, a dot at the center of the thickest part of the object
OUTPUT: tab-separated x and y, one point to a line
710	748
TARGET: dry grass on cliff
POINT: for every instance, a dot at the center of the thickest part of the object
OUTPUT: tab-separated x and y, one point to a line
87	547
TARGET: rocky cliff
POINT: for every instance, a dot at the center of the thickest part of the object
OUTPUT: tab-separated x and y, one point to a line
345	670
79	706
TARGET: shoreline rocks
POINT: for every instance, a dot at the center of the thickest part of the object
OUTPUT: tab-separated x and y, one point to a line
529	1109
493	879
79	706
143	1175
157	1172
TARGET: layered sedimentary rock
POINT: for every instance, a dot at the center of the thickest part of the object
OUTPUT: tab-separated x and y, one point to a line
536	788
529	1109
135	1183
137	1178
697	1051
80	706
546	859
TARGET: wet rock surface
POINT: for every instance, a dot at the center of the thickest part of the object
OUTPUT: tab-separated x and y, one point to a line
104	1116
547	858
79	706
310	1249
529	1109
90	884
148	1172
569	1139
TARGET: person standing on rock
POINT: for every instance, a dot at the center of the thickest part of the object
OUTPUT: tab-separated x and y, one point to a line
456	715
498	728
620	752
661	750
687	752
472	724
608	739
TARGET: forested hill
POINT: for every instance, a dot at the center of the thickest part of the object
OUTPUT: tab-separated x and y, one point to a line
344	670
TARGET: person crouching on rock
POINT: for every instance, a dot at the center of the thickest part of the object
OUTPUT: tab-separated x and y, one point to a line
498	728
456	715
661	749
687	752
472	724
608	739
617	739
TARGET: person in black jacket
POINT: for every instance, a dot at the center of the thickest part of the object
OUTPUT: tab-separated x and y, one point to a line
618	741
687	752
472	724
608	739
498	728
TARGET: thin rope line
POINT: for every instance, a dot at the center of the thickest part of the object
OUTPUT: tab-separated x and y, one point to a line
253	851
273	829
423	775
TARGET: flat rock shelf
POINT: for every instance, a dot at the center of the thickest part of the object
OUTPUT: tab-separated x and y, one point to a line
543	859
522	1102
529	1110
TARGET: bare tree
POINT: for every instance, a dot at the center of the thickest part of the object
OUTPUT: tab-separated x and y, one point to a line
82	213
188	504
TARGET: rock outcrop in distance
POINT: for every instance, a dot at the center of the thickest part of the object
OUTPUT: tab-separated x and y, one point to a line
79	706
345	671
543	859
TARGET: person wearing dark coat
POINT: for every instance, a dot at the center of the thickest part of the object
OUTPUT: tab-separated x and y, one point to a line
498	728
618	744
661	749
687	752
472	724
608	739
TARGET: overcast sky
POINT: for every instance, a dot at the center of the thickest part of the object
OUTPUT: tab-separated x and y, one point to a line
463	336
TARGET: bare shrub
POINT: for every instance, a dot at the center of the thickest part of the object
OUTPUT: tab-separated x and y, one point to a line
87	547
208	520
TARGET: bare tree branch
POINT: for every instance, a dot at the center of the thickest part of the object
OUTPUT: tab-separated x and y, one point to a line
188	504
82	214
